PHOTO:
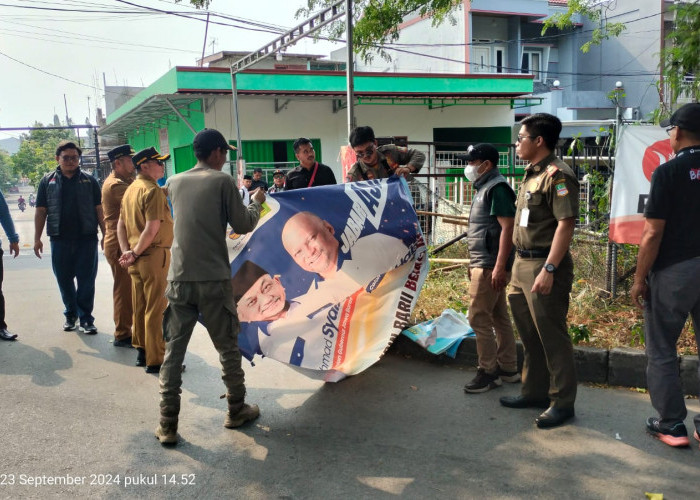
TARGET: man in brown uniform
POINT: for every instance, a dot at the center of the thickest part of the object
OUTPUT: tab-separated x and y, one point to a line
113	190
546	211
145	230
372	159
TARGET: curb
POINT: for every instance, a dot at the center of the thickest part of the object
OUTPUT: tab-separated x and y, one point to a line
621	366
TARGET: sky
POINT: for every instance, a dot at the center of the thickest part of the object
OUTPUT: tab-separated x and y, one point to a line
46	53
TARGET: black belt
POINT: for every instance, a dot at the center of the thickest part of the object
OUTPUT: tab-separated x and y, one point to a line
534	253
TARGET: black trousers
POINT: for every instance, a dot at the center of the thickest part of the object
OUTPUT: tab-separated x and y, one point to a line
3	325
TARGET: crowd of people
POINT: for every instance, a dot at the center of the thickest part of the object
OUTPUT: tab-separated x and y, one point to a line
171	268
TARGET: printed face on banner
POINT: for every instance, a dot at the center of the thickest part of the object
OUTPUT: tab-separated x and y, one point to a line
329	276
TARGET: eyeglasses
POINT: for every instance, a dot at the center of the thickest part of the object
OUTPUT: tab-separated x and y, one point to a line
668	129
365	153
70	157
522	137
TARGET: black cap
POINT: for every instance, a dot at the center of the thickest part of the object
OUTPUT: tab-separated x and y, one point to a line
208	140
246	277
119	151
248	177
278	172
257	170
481	152
686	117
147	154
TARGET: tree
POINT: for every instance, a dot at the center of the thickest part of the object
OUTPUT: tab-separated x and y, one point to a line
8	177
377	22
679	62
37	152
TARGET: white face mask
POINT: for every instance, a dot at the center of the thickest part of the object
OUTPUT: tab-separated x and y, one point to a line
470	172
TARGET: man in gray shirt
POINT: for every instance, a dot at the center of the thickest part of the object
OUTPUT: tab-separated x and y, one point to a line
204	201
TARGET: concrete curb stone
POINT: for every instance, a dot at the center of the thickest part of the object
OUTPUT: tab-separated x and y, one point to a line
623	366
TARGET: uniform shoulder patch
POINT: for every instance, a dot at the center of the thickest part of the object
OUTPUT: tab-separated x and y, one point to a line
560	186
552	170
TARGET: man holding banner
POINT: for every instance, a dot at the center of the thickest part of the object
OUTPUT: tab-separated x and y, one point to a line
668	273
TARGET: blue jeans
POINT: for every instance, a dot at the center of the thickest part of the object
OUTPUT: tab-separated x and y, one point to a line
76	261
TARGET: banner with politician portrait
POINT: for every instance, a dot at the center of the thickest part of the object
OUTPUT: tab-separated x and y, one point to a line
330	276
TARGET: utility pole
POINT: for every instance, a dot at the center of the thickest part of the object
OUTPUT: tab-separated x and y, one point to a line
350	70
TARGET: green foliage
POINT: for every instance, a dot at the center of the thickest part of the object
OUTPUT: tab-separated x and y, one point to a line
200	4
377	22
564	20
8	177
637	332
682	57
37	152
579	333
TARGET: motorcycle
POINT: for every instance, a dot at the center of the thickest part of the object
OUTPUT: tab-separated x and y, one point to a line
22	205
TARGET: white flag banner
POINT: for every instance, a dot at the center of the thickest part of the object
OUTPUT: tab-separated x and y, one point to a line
642	148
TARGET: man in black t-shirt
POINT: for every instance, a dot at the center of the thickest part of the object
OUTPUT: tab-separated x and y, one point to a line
309	173
668	273
258	182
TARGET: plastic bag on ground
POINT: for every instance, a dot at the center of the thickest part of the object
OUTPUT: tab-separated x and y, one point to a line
442	334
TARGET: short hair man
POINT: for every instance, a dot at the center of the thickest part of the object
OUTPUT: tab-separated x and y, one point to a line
668	273
258	181
145	231
245	189
204	200
277	182
9	227
312	244
490	239
69	203
309	172
546	212
371	159
113	190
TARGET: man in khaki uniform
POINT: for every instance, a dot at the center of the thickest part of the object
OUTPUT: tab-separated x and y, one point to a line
372	159
546	211
145	231
113	190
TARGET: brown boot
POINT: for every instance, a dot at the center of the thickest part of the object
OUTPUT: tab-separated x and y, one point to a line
166	432
244	414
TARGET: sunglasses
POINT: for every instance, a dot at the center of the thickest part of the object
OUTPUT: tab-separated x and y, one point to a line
365	153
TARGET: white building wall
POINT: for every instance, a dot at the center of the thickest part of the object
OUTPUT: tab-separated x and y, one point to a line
259	121
435	58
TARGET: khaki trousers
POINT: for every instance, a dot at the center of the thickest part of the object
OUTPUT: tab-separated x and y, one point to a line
148	282
488	316
121	291
214	301
548	368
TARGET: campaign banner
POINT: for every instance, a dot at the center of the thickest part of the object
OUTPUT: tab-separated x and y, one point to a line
330	276
642	148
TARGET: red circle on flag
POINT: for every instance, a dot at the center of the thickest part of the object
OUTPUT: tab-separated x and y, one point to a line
655	155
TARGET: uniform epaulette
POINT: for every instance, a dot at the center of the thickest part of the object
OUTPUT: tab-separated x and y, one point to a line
552	170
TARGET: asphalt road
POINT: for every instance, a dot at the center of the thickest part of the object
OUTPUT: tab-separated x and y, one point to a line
78	419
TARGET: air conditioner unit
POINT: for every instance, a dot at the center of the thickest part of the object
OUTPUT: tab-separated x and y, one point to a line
630	114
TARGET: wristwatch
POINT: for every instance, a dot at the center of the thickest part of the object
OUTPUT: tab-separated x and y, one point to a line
550	268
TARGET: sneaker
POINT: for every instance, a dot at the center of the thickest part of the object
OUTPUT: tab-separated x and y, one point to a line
483	382
245	414
510	377
123	343
69	325
88	328
675	435
167	435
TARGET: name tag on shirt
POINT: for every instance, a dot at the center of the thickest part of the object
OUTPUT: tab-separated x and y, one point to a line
524	216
